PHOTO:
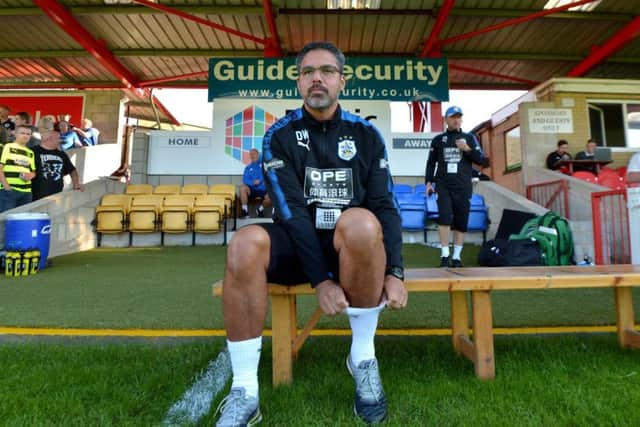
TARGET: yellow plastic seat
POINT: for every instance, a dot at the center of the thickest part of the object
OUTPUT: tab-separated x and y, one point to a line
111	213
229	193
208	212
144	215
165	189
175	213
195	189
139	189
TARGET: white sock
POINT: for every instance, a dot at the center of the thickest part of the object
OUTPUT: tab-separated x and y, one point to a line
245	357
245	207
444	251
260	208
457	250
364	322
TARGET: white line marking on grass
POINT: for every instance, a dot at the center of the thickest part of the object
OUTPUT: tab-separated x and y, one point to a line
196	402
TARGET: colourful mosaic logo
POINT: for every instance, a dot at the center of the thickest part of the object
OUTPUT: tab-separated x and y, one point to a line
244	131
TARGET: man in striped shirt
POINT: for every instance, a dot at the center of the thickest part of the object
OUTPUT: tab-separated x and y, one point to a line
17	169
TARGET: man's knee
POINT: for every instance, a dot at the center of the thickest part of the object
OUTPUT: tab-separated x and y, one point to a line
358	226
248	250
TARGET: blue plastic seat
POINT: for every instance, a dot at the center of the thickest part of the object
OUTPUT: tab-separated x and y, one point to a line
432	206
402	188
479	220
420	188
412	216
411	199
477	200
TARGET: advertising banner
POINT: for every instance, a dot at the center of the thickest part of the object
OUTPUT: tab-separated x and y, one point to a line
368	78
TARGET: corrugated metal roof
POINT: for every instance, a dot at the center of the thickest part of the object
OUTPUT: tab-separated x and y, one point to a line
152	44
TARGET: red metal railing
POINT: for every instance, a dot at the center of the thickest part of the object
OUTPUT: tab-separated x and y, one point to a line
611	238
553	195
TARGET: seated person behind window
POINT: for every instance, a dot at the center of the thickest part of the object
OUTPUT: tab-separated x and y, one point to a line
88	134
68	138
561	153
253	185
588	154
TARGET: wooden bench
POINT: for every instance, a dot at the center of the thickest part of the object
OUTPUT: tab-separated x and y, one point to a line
478	282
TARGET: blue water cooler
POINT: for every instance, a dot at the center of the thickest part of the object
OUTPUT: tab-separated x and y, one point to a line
24	231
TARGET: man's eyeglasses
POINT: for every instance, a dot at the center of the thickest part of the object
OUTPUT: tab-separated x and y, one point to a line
326	71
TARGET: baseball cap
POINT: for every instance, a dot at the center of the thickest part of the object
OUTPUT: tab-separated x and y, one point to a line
452	111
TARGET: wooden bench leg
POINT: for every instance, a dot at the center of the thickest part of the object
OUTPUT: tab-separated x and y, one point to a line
627	336
459	318
283	329
483	335
306	331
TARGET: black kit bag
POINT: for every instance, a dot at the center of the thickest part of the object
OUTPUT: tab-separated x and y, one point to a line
510	253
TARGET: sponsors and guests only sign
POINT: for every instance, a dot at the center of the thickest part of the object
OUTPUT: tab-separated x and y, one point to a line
370	78
550	120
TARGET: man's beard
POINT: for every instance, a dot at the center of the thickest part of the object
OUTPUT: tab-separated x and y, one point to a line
319	102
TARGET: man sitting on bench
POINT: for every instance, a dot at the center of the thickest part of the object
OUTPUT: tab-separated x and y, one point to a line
253	185
337	227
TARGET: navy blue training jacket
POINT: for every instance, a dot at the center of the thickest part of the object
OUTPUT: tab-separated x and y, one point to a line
443	150
341	163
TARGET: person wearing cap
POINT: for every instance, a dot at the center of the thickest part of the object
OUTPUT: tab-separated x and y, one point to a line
449	168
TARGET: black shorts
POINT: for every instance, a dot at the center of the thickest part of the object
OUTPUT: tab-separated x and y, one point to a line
285	266
253	193
453	207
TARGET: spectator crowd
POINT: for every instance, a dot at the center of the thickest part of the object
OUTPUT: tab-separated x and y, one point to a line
33	161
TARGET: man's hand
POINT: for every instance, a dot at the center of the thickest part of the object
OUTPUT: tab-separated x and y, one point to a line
331	298
79	187
462	145
429	189
395	292
27	176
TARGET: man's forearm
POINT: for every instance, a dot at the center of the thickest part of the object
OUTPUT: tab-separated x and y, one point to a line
75	179
3	180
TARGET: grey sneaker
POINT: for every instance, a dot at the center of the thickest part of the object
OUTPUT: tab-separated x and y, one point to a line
370	402
238	410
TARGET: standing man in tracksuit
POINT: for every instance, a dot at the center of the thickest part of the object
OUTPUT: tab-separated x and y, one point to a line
449	169
337	227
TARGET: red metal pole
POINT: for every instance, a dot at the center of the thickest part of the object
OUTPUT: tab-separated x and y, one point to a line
65	20
184	15
437	125
565	190
597	227
514	21
417	115
441	20
273	48
611	46
164	110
